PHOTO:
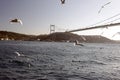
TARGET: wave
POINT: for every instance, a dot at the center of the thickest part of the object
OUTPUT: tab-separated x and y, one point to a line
88	62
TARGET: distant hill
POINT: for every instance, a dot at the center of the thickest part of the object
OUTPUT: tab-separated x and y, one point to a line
13	36
58	37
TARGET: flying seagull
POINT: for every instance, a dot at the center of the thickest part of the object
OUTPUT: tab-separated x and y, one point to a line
16	21
18	54
118	33
77	43
62	1
103	6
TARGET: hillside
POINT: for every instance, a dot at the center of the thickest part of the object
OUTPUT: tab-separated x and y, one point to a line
5	35
72	37
58	37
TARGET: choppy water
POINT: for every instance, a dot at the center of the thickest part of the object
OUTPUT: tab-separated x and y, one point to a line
59	61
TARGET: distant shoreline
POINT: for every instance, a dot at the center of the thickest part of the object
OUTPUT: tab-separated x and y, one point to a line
54	37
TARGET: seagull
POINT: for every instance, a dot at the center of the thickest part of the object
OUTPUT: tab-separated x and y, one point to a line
103	6
83	38
16	21
62	1
104	30
118	33
18	54
77	43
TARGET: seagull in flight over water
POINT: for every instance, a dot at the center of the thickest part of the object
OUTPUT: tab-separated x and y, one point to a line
16	21
103	6
18	54
62	1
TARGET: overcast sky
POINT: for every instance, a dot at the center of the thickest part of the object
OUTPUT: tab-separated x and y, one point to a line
38	15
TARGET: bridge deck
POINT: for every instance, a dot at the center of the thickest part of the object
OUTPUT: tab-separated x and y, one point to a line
101	26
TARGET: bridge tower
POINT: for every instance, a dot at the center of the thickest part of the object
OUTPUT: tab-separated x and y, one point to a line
52	29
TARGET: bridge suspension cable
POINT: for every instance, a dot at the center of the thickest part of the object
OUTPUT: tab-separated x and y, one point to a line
101	26
106	19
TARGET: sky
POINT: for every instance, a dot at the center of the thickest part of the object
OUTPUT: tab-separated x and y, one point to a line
38	15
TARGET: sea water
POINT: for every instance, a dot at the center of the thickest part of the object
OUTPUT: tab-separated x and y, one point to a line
27	60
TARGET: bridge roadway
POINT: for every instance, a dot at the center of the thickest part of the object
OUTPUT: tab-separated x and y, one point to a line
101	26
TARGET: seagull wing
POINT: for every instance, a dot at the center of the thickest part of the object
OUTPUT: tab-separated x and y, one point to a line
20	22
106	3
100	10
